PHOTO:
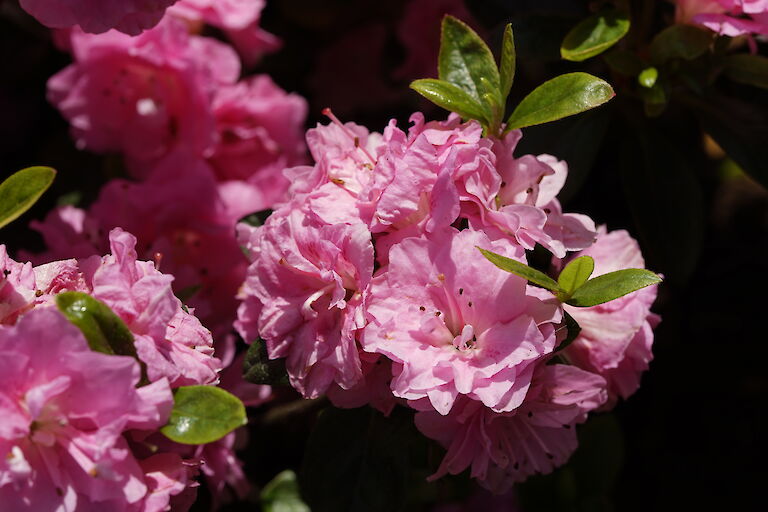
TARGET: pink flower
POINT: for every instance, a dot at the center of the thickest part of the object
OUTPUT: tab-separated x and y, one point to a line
728	17
143	96
17	287
303	296
616	337
259	132
239	19
506	448
373	389
457	324
96	16
64	410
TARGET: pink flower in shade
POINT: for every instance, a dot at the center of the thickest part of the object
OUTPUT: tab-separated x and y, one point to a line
239	19
17	287
64	410
616	337
96	16
259	132
458	325
504	448
728	17
419	32
143	96
373	389
303	295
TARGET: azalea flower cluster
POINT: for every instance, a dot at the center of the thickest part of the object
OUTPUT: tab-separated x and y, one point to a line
369	283
727	17
80	427
203	148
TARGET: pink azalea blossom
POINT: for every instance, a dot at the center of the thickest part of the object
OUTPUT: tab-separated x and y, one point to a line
143	96
239	19
457	324
97	16
728	17
616	337
303	296
504	448
64	410
17	287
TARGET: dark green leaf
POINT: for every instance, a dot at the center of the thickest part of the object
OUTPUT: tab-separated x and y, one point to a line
522	270
508	62
450	97
624	62
282	494
465	58
576	273
612	285
21	190
560	97
747	69
573	330
358	460
594	35
654	100
647	77
258	368
203	414
680	42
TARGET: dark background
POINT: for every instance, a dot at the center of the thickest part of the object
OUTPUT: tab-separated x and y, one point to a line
693	436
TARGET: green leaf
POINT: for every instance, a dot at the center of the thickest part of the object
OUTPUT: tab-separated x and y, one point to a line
654	100
560	97
21	190
680	42
259	369
610	286
747	69
203	414
282	494
358	460
450	97
465	58
647	77
594	35
508	62
624	62
521	269
576	273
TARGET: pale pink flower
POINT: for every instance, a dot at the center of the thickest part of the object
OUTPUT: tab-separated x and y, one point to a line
238	19
96	16
64	410
504	448
17	287
728	17
373	389
143	96
303	295
616	337
457	324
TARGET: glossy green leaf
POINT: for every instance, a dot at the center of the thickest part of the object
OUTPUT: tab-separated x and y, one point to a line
647	77
258	368
508	62
680	42
450	97
358	460
576	273
21	190
594	35
560	97
747	69
203	414
610	286
282	494
521	269
465	58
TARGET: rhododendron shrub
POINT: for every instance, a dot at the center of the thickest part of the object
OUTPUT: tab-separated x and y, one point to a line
369	283
78	421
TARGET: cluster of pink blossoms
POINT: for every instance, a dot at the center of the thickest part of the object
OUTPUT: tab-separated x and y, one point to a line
369	283
206	147
728	17
77	433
